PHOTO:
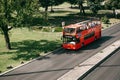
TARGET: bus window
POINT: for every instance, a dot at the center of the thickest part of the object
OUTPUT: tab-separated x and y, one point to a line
69	30
89	35
78	30
67	39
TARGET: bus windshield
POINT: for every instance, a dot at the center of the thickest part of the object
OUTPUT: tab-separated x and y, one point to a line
70	39
69	30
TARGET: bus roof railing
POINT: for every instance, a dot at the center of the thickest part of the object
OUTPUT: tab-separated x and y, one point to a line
83	22
88	21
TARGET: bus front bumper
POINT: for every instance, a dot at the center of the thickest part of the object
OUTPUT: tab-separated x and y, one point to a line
69	46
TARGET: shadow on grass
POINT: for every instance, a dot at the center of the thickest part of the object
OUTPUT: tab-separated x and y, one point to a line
61	12
69	18
74	18
38	21
30	49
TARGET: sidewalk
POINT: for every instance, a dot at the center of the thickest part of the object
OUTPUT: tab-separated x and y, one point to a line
83	68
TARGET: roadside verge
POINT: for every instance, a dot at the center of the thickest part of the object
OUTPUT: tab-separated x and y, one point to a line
82	69
29	61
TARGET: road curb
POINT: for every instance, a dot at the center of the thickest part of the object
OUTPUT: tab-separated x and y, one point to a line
80	71
29	62
111	26
84	75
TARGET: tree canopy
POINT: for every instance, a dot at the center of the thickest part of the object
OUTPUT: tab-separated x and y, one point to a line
72	2
15	13
46	3
94	5
112	4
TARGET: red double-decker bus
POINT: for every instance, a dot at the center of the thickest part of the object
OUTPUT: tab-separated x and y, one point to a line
80	34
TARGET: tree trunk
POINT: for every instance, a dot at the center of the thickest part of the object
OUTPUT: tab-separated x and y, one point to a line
52	9
46	13
82	11
114	12
71	6
7	40
6	36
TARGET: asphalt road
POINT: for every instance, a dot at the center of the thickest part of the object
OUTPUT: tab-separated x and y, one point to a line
59	62
109	70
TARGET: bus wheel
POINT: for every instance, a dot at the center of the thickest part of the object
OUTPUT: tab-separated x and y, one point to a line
82	44
95	38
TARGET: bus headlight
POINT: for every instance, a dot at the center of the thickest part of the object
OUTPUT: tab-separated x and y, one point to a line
72	43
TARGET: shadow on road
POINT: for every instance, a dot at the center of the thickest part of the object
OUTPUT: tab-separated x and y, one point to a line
94	45
97	43
36	72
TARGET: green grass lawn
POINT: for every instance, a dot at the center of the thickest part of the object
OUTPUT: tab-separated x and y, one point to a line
28	44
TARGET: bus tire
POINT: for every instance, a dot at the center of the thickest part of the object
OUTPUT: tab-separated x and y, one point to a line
82	44
95	38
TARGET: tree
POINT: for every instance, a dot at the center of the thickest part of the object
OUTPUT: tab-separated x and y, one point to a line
72	2
14	13
81	7
79	3
94	5
112	4
55	3
46	3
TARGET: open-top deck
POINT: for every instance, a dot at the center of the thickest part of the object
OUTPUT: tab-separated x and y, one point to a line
72	29
79	34
84	24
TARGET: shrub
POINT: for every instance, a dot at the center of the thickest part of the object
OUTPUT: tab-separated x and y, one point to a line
58	29
36	28
46	29
105	19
